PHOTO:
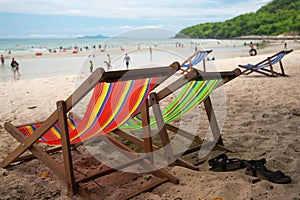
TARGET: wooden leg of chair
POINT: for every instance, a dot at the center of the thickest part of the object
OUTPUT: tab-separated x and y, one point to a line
30	140
66	149
281	67
37	151
161	127
148	146
272	71
213	121
186	164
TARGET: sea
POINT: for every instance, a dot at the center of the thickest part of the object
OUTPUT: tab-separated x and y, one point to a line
59	57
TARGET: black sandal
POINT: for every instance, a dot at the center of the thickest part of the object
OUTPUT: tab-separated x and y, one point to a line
262	172
217	160
222	163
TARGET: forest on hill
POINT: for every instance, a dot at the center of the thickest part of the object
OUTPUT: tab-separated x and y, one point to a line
279	17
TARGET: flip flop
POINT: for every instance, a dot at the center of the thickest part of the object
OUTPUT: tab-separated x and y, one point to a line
262	172
221	163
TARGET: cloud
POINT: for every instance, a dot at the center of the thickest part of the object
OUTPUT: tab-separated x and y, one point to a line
48	36
131	9
47	17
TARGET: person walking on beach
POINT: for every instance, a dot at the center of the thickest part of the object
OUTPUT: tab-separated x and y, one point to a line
91	66
127	60
150	50
2	59
108	62
15	66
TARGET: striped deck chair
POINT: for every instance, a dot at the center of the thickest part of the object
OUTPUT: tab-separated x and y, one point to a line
117	96
262	67
194	92
195	59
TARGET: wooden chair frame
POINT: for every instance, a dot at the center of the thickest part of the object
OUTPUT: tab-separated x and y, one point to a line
65	170
267	72
189	60
163	127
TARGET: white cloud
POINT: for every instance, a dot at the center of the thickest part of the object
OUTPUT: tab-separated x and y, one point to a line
132	9
115	16
48	36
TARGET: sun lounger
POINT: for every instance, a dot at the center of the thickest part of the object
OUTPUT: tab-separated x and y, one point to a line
197	87
266	67
195	59
117	96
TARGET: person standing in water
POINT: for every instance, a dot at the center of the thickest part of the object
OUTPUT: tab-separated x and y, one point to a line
15	67
252	50
2	59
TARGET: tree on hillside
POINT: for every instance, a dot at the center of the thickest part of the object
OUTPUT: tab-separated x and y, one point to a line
277	17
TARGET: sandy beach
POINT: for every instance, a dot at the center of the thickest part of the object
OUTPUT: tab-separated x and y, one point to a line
262	121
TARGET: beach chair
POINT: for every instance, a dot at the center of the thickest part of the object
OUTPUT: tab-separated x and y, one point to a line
195	59
197	87
117	96
262	67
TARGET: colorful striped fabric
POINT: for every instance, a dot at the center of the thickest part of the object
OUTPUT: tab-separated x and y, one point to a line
193	94
198	58
273	61
111	105
52	134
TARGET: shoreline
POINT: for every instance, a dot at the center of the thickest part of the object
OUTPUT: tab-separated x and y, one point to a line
266	37
69	63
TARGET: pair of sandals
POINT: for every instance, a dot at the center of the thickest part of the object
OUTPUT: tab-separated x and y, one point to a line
255	168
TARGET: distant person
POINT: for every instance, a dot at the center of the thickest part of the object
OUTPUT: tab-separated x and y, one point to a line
15	66
127	60
252	50
2	59
91	66
251	45
108	58
150	50
285	45
108	62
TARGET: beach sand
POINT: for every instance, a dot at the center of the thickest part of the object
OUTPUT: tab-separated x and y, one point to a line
262	121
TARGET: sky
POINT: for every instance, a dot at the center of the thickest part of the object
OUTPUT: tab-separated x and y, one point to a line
73	18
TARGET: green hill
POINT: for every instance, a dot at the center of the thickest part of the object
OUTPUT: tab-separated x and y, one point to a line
276	18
